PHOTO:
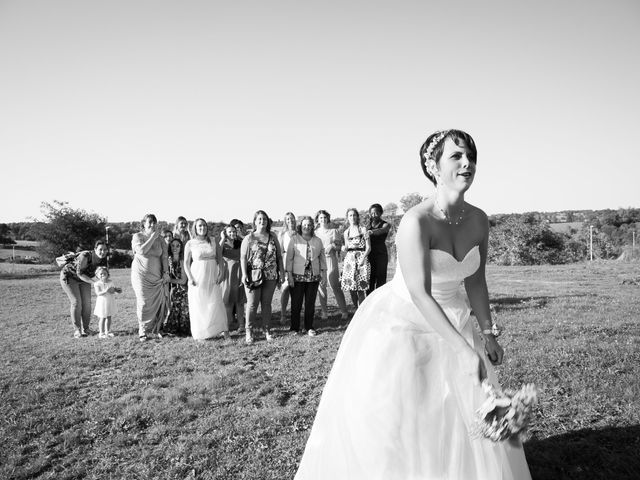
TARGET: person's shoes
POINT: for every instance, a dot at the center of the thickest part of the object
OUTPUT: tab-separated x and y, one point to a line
248	338
226	335
110	335
77	334
143	338
268	336
311	332
102	335
158	336
88	331
83	334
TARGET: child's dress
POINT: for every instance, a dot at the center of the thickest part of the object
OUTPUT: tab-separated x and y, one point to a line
106	303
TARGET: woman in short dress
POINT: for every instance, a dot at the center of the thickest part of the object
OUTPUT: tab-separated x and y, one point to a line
355	269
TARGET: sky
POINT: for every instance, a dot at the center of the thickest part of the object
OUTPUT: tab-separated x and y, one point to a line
216	109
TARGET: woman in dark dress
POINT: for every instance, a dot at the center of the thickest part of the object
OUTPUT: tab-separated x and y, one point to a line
177	322
378	257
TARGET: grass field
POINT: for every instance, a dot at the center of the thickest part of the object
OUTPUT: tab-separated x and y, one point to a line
177	408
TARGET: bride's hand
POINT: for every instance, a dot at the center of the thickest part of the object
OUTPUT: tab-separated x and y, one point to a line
494	350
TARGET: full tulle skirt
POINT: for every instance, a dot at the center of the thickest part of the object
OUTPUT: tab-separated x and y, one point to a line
206	309
396	404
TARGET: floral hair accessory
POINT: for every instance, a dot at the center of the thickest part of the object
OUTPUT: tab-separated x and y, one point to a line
429	162
505	415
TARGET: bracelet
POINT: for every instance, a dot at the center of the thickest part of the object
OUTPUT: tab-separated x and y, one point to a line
495	330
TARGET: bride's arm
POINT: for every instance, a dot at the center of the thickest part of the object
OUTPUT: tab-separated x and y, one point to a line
415	263
478	293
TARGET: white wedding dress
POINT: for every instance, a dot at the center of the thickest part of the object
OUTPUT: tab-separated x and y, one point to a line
207	315
396	404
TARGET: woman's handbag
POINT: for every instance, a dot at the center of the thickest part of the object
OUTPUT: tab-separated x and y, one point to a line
256	278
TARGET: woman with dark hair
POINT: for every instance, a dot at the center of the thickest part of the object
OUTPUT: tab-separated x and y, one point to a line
232	290
261	263
378	257
355	268
331	242
76	279
402	396
289	230
305	267
204	266
177	322
150	277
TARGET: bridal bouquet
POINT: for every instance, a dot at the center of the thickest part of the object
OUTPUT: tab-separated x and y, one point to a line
505	415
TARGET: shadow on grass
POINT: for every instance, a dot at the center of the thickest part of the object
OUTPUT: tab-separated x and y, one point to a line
520	303
610	453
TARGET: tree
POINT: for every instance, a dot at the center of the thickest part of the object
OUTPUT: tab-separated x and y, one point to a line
410	200
391	209
5	234
67	229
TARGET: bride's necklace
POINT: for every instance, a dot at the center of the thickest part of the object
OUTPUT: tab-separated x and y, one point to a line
446	215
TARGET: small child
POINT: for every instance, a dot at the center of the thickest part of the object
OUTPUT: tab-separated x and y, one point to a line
106	302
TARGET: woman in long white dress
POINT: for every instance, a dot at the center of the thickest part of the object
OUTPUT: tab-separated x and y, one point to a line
203	264
401	397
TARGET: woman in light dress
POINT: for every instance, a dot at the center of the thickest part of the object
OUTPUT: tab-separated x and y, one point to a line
204	267
150	278
288	231
332	242
401	397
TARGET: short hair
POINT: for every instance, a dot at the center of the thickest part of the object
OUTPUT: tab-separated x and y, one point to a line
165	231
148	216
458	137
235	222
100	242
346	216
262	212
302	219
323	212
377	206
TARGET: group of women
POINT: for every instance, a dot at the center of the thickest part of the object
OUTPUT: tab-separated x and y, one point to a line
187	283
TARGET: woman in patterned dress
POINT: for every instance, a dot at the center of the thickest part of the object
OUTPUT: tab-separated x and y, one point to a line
177	322
356	268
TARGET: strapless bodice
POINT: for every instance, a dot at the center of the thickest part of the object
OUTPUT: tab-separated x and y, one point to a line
446	274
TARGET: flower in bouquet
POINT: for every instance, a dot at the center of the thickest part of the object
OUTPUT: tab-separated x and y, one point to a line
505	415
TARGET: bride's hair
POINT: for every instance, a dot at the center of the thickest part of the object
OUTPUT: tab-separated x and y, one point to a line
460	138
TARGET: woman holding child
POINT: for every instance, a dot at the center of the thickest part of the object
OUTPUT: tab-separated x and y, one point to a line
76	279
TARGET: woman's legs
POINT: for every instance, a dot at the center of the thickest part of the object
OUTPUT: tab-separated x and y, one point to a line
284	300
310	292
354	297
79	294
333	278
266	295
253	298
297	296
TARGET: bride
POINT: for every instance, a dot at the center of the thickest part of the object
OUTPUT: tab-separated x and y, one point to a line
401	397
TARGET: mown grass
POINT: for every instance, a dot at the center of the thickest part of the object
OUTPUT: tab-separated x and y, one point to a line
177	408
